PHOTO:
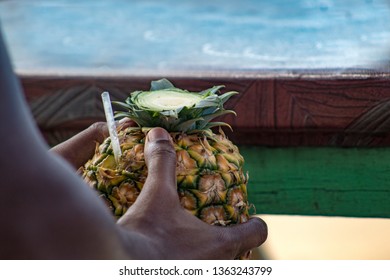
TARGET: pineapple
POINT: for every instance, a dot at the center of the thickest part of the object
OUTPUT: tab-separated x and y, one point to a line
211	183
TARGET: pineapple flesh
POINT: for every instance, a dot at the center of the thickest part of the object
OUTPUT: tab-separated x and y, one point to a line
211	183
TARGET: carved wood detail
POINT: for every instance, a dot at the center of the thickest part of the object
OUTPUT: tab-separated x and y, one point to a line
271	111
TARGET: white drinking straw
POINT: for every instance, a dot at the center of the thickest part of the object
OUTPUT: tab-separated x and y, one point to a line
111	126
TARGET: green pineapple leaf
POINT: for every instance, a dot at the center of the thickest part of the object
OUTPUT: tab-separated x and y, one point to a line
161	84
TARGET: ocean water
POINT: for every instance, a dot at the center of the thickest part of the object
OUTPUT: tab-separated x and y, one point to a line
172	35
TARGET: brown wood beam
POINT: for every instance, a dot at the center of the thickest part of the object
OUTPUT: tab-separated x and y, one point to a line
303	109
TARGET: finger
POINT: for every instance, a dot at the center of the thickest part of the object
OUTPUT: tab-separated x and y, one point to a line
125	123
247	236
160	158
80	148
99	130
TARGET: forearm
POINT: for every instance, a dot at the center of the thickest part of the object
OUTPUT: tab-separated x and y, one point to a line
78	149
57	215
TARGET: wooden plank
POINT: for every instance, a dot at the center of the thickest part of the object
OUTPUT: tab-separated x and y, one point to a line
351	182
350	109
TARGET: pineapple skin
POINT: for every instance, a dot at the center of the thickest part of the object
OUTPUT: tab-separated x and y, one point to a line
210	180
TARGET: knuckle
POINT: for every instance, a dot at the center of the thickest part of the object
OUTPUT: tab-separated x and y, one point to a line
243	237
261	229
100	129
98	125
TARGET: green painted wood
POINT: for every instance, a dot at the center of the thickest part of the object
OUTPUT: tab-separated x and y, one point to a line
351	182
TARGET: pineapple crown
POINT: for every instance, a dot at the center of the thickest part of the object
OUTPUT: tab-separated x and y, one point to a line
174	109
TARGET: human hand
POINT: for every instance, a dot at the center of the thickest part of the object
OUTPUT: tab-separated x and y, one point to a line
81	147
158	227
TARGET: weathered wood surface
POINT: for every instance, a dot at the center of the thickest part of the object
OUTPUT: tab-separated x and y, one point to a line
350	182
316	110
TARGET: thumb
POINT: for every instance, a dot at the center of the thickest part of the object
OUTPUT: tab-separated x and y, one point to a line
160	158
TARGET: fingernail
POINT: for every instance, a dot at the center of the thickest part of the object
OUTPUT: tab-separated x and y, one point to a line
125	119
158	134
